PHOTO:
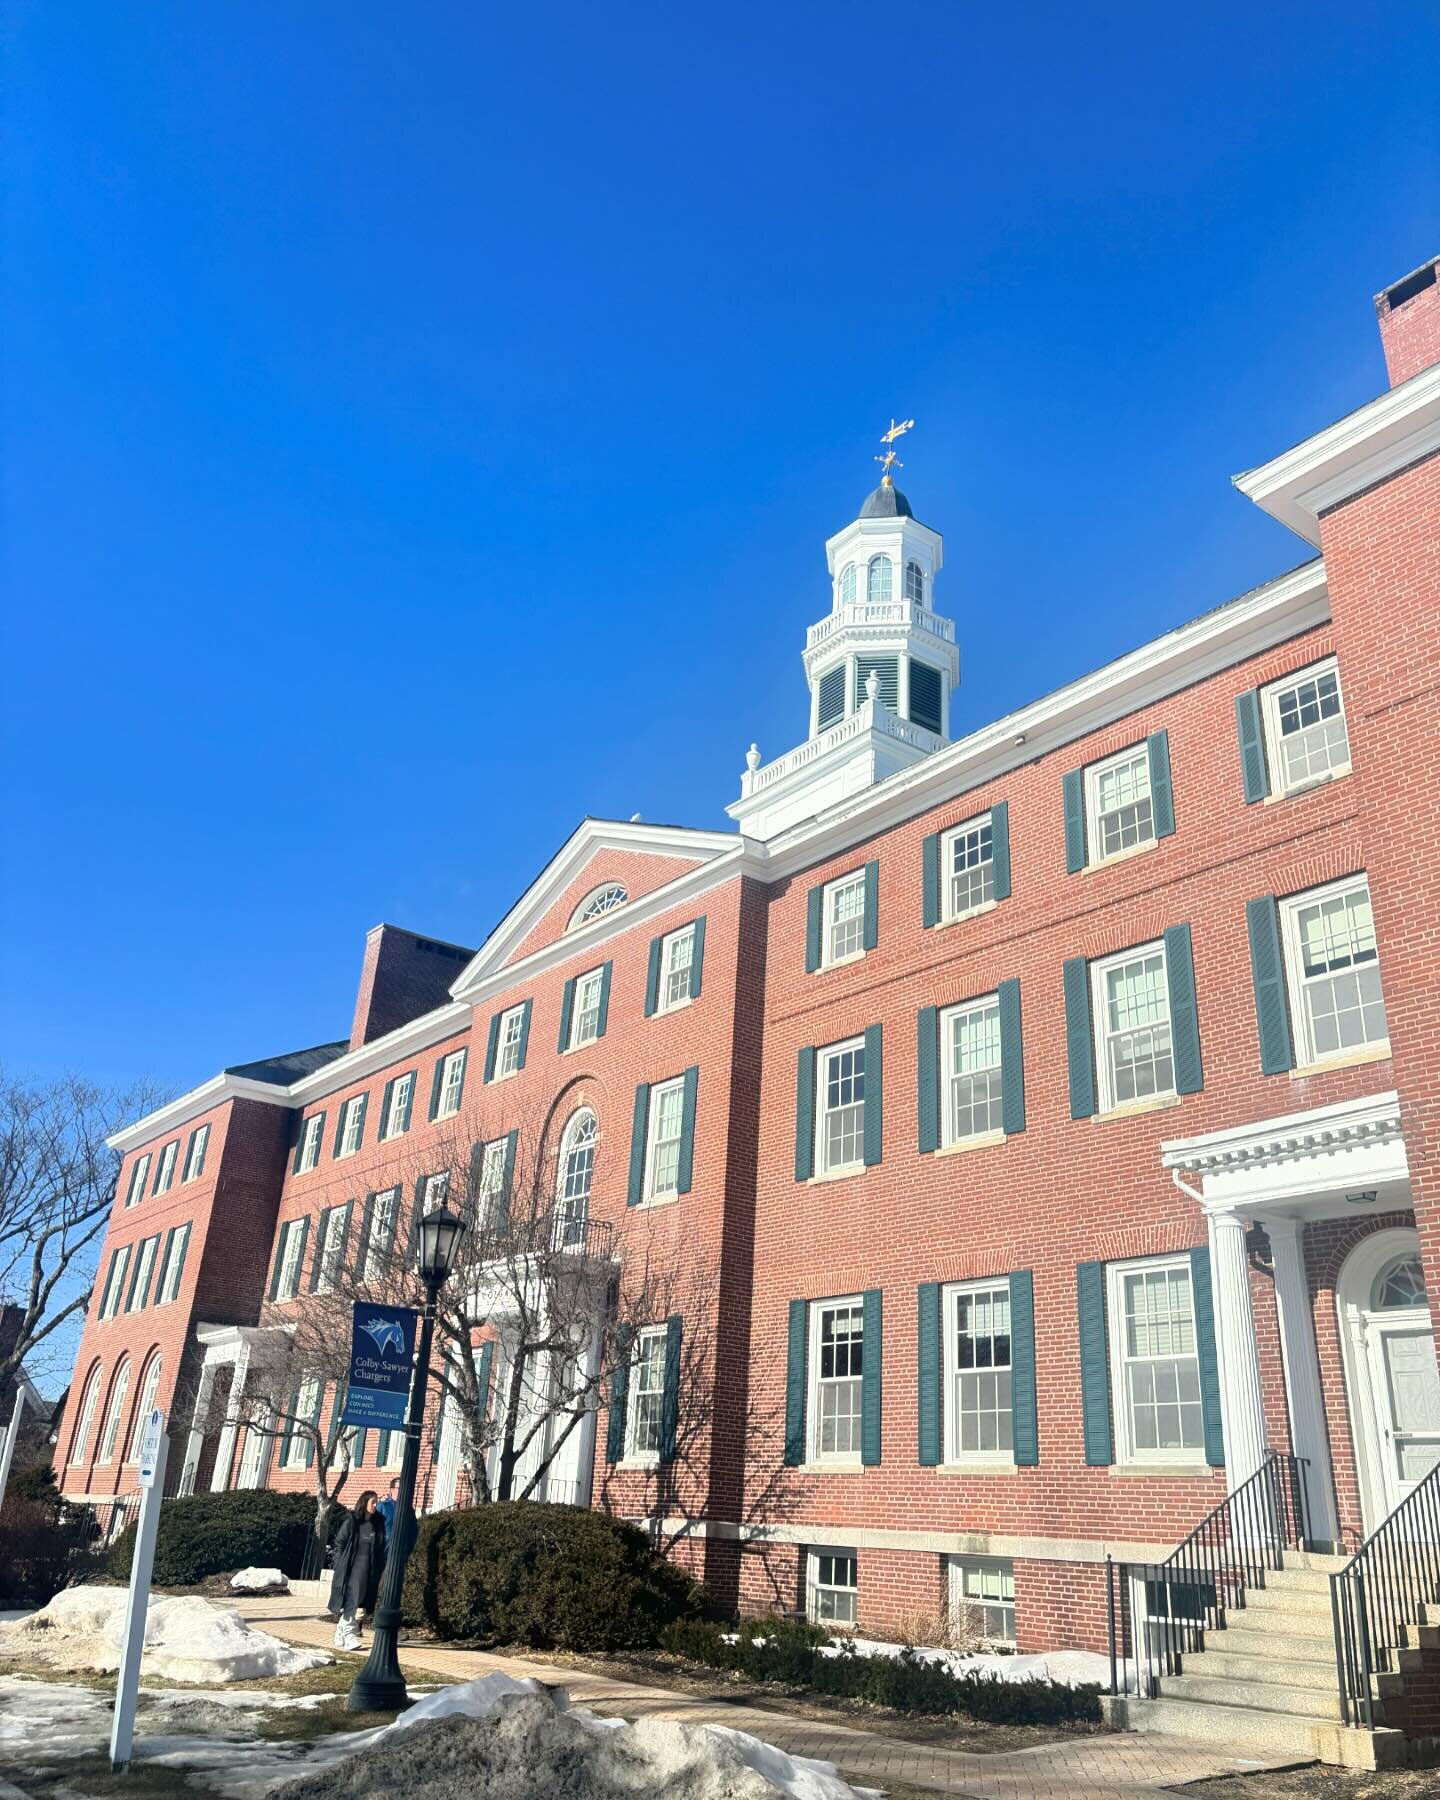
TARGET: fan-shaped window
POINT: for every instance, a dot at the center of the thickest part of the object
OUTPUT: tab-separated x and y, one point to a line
878	584
1399	1283
119	1388
86	1416
576	1170
847	584
149	1387
599	900
915	583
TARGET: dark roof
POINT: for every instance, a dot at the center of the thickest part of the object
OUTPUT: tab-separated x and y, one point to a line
886	503
292	1065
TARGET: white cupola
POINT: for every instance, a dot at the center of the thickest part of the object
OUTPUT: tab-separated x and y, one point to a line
880	668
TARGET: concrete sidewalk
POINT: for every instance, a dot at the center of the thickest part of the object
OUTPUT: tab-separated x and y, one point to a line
1105	1767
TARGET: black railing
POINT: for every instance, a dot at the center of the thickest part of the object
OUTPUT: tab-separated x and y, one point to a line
1157	1612
1381	1590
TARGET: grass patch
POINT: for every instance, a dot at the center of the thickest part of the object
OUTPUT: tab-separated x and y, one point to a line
93	1777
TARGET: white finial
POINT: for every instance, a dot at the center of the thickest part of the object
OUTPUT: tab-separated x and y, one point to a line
635	819
752	758
872	685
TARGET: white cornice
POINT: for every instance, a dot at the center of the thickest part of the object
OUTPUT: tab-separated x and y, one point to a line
1373	1119
1363	448
178	1112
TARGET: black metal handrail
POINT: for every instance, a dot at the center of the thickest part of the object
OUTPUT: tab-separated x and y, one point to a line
1380	1591
1157	1612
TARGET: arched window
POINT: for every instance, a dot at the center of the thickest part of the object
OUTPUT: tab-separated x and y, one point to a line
847	584
573	1177
915	583
1399	1283
119	1388
878	583
599	900
149	1387
86	1417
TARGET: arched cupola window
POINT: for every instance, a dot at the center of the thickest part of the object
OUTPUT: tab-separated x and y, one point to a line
915	583
847	584
1399	1283
879	578
573	1177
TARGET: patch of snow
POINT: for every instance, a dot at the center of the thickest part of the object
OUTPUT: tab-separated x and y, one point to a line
186	1639
1070	1668
260	1581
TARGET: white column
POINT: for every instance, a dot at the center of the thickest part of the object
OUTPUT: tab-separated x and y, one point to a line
225	1449
196	1440
1303	1394
1239	1357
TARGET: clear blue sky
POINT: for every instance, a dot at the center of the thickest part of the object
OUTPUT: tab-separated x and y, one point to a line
423	424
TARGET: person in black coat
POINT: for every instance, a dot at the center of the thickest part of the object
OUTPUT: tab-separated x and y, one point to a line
359	1564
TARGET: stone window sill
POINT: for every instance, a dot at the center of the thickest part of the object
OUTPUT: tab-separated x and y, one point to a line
977	1468
1345	1059
662	1012
842	962
1169	1471
656	1202
837	1175
642	1464
832	1468
1306	787
986	1140
1132	1109
973	912
1119	856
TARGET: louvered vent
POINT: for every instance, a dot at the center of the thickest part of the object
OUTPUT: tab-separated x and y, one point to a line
832	698
888	669
925	696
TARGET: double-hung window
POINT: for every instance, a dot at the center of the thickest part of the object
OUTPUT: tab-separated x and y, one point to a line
677	958
832	1587
311	1133
644	1416
970	1048
982	1598
433	1190
330	1248
292	1248
1134	1057
968	859
1333	967
144	1269
397	1113
352	1125
844	918
298	1442
110	1431
176	1244
165	1174
491	1183
585	1016
139	1172
451	1085
146	1400
1305	734
379	1240
115	1282
979	1401
662	1152
195	1153
837	1354
1155	1360
1118	809
507	1045
840	1107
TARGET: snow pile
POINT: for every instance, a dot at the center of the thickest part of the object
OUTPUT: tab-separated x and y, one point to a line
260	1581
186	1639
1068	1668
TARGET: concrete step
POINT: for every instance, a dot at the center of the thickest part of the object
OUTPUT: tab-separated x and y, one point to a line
1250	1728
1272	1664
1246	1636
1280	1622
1315	1559
1266	1696
1297	1581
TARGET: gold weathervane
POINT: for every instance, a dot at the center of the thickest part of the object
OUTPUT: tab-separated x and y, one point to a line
890	460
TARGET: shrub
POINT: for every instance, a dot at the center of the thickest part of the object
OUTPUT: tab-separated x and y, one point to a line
36	1560
214	1534
551	1577
780	1650
35	1481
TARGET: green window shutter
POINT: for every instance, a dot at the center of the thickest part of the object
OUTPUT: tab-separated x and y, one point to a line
319	1242
697	958
304	1246
930	1350
314	1422
1162	793
472	1184
1074	792
298	1127
180	1260
1184	1014
364	1116
344	1236
1079	1038
638	1122
523	1046
484	1375
492	1046
1012	1059
619	1393
930	880
1024	1427
435	1087
1267	971
805	1115
275	1271
1206	1356
366	1216
687	1132
359	1456
1000	848
382	1448
1094	1364
567	1005
874	1095
1252	747
927	1098
384	1124
813	903
507	1183
670	1398
872	905
652	977
603	1018
797	1354
339	1128
872	1344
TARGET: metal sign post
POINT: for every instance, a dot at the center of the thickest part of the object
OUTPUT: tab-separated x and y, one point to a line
12	1437
154	1452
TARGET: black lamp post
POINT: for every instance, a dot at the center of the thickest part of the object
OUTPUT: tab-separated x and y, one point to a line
380	1687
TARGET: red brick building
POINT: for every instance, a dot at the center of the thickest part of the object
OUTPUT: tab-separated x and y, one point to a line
1054	1113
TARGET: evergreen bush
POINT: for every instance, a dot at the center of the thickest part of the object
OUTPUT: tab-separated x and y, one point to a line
34	1552
215	1534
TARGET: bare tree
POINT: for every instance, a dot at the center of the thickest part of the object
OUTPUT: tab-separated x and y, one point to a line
57	1183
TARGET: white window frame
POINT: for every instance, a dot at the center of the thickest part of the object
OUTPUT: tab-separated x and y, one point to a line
1296	984
1127	1452
830	896
950	1364
671	971
492	1180
89	1402
572	1212
663	1090
949	1136
1100	1031
139	1175
375	1262
108	1445
845	585
1271	696
815	1380
1002	1570
401	1094
452	1085
148	1250
328	1250
609	897
394	1457
815	1612
1094	774
580	1011
165	1174
968	828
292	1453
507	1042
291	1252
352	1125
312	1134
170	1267
647	1364
149	1387
914	589
434	1189
111	1298
823	1060
195	1154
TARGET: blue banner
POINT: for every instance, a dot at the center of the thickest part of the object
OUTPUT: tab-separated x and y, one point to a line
382	1349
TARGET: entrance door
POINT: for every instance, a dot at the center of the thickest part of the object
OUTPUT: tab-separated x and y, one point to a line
1407	1398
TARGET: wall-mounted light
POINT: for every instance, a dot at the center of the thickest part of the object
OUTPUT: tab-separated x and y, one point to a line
1367	1198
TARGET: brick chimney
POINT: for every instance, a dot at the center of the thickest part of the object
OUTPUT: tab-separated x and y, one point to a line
1409	313
402	976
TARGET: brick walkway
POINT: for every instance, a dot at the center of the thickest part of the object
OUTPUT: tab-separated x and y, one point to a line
1109	1767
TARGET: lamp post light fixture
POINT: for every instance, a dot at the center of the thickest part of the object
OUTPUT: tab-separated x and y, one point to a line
380	1686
